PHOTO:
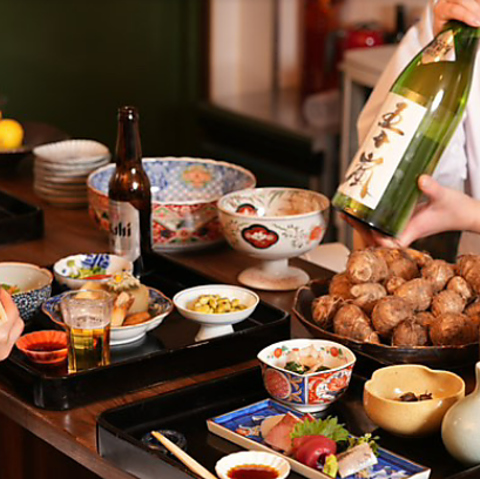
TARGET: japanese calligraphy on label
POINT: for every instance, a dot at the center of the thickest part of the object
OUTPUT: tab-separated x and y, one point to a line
377	160
442	49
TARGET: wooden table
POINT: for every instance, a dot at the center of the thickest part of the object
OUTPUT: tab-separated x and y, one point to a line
73	432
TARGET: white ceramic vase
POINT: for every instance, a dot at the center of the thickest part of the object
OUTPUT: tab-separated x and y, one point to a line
461	426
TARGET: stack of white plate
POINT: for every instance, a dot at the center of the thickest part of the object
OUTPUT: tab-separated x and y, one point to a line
61	170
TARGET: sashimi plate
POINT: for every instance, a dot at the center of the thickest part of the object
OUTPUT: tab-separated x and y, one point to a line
243	427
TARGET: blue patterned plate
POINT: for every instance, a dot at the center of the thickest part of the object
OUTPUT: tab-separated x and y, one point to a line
159	307
242	427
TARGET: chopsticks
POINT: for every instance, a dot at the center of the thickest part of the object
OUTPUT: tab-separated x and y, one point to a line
180	454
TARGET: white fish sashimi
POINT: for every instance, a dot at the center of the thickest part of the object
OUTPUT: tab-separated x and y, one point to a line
356	459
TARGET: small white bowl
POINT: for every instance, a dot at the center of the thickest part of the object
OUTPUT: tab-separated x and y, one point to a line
112	263
214	325
256	458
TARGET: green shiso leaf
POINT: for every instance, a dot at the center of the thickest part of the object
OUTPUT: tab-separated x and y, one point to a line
328	427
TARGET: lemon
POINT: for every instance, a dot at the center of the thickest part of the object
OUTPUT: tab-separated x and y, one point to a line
11	134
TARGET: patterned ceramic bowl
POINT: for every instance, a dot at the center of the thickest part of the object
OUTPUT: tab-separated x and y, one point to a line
274	224
312	391
107	264
184	196
30	286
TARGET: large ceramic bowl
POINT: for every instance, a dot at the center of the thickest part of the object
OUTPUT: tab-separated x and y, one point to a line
411	419
184	196
312	391
34	286
272	225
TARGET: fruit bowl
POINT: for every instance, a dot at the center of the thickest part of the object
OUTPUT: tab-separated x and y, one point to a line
307	392
273	225
184	197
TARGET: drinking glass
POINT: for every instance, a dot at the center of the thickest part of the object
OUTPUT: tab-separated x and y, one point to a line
87	316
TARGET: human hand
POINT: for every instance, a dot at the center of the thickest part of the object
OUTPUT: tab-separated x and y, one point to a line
12	328
368	236
445	210
467	11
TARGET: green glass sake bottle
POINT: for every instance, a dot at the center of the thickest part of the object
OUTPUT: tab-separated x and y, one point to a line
415	124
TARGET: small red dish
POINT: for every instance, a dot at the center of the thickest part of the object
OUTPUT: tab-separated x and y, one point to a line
44	347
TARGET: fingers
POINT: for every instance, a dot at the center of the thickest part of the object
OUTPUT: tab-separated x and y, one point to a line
466	11
8	304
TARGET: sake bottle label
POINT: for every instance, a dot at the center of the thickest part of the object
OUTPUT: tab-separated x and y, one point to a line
124	229
377	160
442	49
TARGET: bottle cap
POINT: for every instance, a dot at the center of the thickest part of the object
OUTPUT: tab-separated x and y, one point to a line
128	112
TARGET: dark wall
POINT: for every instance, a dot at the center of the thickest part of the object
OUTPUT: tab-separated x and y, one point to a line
71	63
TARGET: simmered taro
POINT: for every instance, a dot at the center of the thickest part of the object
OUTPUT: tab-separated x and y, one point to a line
351	322
366	267
453	329
388	313
439	273
418	292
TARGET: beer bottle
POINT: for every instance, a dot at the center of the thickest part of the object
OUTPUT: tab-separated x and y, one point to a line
129	195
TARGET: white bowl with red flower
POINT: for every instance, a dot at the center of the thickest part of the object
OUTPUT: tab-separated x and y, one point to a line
273	225
306	391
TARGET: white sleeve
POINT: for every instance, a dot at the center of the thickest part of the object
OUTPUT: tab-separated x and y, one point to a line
451	170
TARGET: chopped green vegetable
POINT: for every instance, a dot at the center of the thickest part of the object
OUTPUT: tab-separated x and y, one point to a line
367	438
330	468
82	273
10	288
298	368
328	427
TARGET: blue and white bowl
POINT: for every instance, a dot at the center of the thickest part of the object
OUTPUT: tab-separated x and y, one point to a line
33	282
65	267
184	199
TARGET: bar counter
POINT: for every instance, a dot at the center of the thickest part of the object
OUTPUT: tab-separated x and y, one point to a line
73	432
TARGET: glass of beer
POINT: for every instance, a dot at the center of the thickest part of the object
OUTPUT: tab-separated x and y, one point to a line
87	315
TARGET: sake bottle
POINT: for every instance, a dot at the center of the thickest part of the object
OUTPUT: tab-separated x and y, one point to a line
415	124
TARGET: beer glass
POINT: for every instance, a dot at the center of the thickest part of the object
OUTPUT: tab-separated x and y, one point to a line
87	315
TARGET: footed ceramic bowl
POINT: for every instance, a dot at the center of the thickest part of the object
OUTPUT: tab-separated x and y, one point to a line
214	325
309	392
252	458
112	264
184	199
411	419
34	286
273	225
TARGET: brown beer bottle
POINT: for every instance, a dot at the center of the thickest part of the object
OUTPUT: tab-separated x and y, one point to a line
129	193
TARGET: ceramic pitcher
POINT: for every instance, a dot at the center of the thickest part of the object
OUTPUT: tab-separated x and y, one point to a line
461	426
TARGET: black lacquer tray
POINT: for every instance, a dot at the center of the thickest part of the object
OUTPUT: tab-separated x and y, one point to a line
166	353
119	430
19	221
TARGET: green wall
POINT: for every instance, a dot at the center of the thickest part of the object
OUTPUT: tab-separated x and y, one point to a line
71	63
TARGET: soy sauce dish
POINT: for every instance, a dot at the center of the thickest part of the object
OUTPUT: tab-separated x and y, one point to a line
252	465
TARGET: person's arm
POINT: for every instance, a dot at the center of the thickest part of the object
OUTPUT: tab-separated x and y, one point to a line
11	328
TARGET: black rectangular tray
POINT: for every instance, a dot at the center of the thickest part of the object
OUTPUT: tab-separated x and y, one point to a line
166	353
119	430
19	221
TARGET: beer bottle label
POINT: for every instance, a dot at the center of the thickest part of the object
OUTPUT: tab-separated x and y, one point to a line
124	230
377	160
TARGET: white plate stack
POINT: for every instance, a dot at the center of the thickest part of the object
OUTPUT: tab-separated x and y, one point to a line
61	170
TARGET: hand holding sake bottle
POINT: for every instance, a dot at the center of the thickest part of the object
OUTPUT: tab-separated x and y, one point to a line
417	120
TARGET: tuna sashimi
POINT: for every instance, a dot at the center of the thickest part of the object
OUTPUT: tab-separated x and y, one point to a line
279	436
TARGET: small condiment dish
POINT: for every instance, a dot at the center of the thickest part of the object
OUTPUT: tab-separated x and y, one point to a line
44	347
308	392
214	325
252	465
111	264
411	419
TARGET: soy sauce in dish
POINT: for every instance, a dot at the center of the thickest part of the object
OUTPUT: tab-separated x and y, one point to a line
252	471
46	347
